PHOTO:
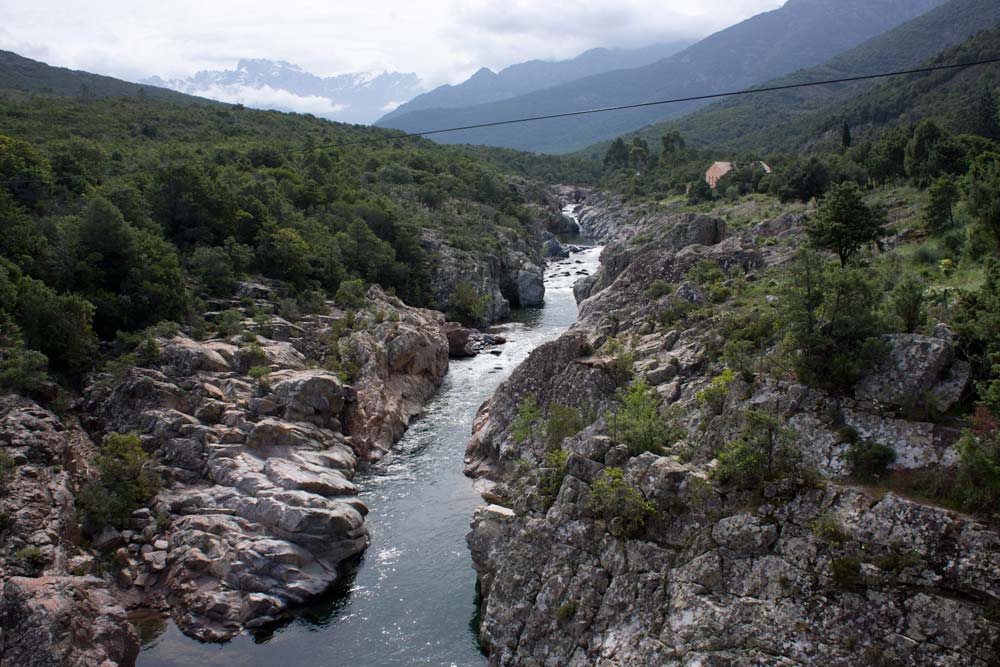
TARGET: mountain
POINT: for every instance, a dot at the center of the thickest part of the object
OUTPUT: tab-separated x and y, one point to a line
20	73
282	86
802	33
787	120
488	86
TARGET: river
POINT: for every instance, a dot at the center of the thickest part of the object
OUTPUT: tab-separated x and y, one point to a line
410	599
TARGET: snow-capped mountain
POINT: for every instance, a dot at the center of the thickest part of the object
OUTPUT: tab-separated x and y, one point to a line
267	84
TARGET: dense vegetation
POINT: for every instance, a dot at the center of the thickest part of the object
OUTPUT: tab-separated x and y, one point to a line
116	214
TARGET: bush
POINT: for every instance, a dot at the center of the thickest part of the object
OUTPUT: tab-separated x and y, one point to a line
844	223
869	461
827	528
621	360
529	414
125	482
846	571
563	422
31	559
148	351
566	612
552	479
7	466
22	371
833	323
621	505
706	272
977	486
906	303
713	397
637	423
351	294
657	289
230	323
762	453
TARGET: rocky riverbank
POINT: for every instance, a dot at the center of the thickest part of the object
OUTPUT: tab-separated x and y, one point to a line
669	566
256	434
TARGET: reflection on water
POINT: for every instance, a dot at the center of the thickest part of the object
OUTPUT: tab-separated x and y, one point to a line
410	598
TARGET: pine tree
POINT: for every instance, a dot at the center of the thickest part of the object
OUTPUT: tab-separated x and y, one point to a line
845	136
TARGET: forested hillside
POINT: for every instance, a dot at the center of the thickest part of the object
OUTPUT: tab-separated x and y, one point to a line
791	120
118	214
24	74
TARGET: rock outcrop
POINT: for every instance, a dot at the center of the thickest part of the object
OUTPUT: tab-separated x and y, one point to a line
259	509
811	569
63	622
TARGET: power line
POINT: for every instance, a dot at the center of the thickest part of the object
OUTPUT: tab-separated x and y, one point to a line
620	107
677	100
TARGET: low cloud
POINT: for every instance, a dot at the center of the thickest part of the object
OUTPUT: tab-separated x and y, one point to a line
267	97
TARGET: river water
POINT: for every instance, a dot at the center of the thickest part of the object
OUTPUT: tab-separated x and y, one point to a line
410	599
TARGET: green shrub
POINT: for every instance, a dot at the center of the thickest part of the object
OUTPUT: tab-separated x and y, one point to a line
977	486
620	362
637	423
657	289
148	351
552	479
846	571
713	397
620	504
833	323
125	482
562	423
827	528
529	414
254	354
351	294
22	371
706	272
566	612
869	461
760	454
906	303
31	559
7	466
230	323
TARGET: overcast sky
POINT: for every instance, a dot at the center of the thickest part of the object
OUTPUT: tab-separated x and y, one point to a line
442	42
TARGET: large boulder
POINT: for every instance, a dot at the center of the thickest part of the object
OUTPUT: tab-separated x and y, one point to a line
313	396
64	622
919	373
530	286
187	356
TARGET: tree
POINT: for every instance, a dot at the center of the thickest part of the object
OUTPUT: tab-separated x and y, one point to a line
802	179
844	223
985	119
833	323
59	325
886	157
931	152
617	156
24	173
845	136
983	191
125	482
638	153
941	199
674	147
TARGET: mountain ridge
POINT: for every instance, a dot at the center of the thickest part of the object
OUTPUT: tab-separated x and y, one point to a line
800	33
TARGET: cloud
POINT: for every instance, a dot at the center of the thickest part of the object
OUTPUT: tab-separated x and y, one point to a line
266	97
441	40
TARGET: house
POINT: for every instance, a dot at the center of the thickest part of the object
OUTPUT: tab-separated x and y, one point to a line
717	171
720	169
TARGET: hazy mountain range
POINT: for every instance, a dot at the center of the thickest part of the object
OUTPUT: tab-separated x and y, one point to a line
800	34
270	84
488	86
